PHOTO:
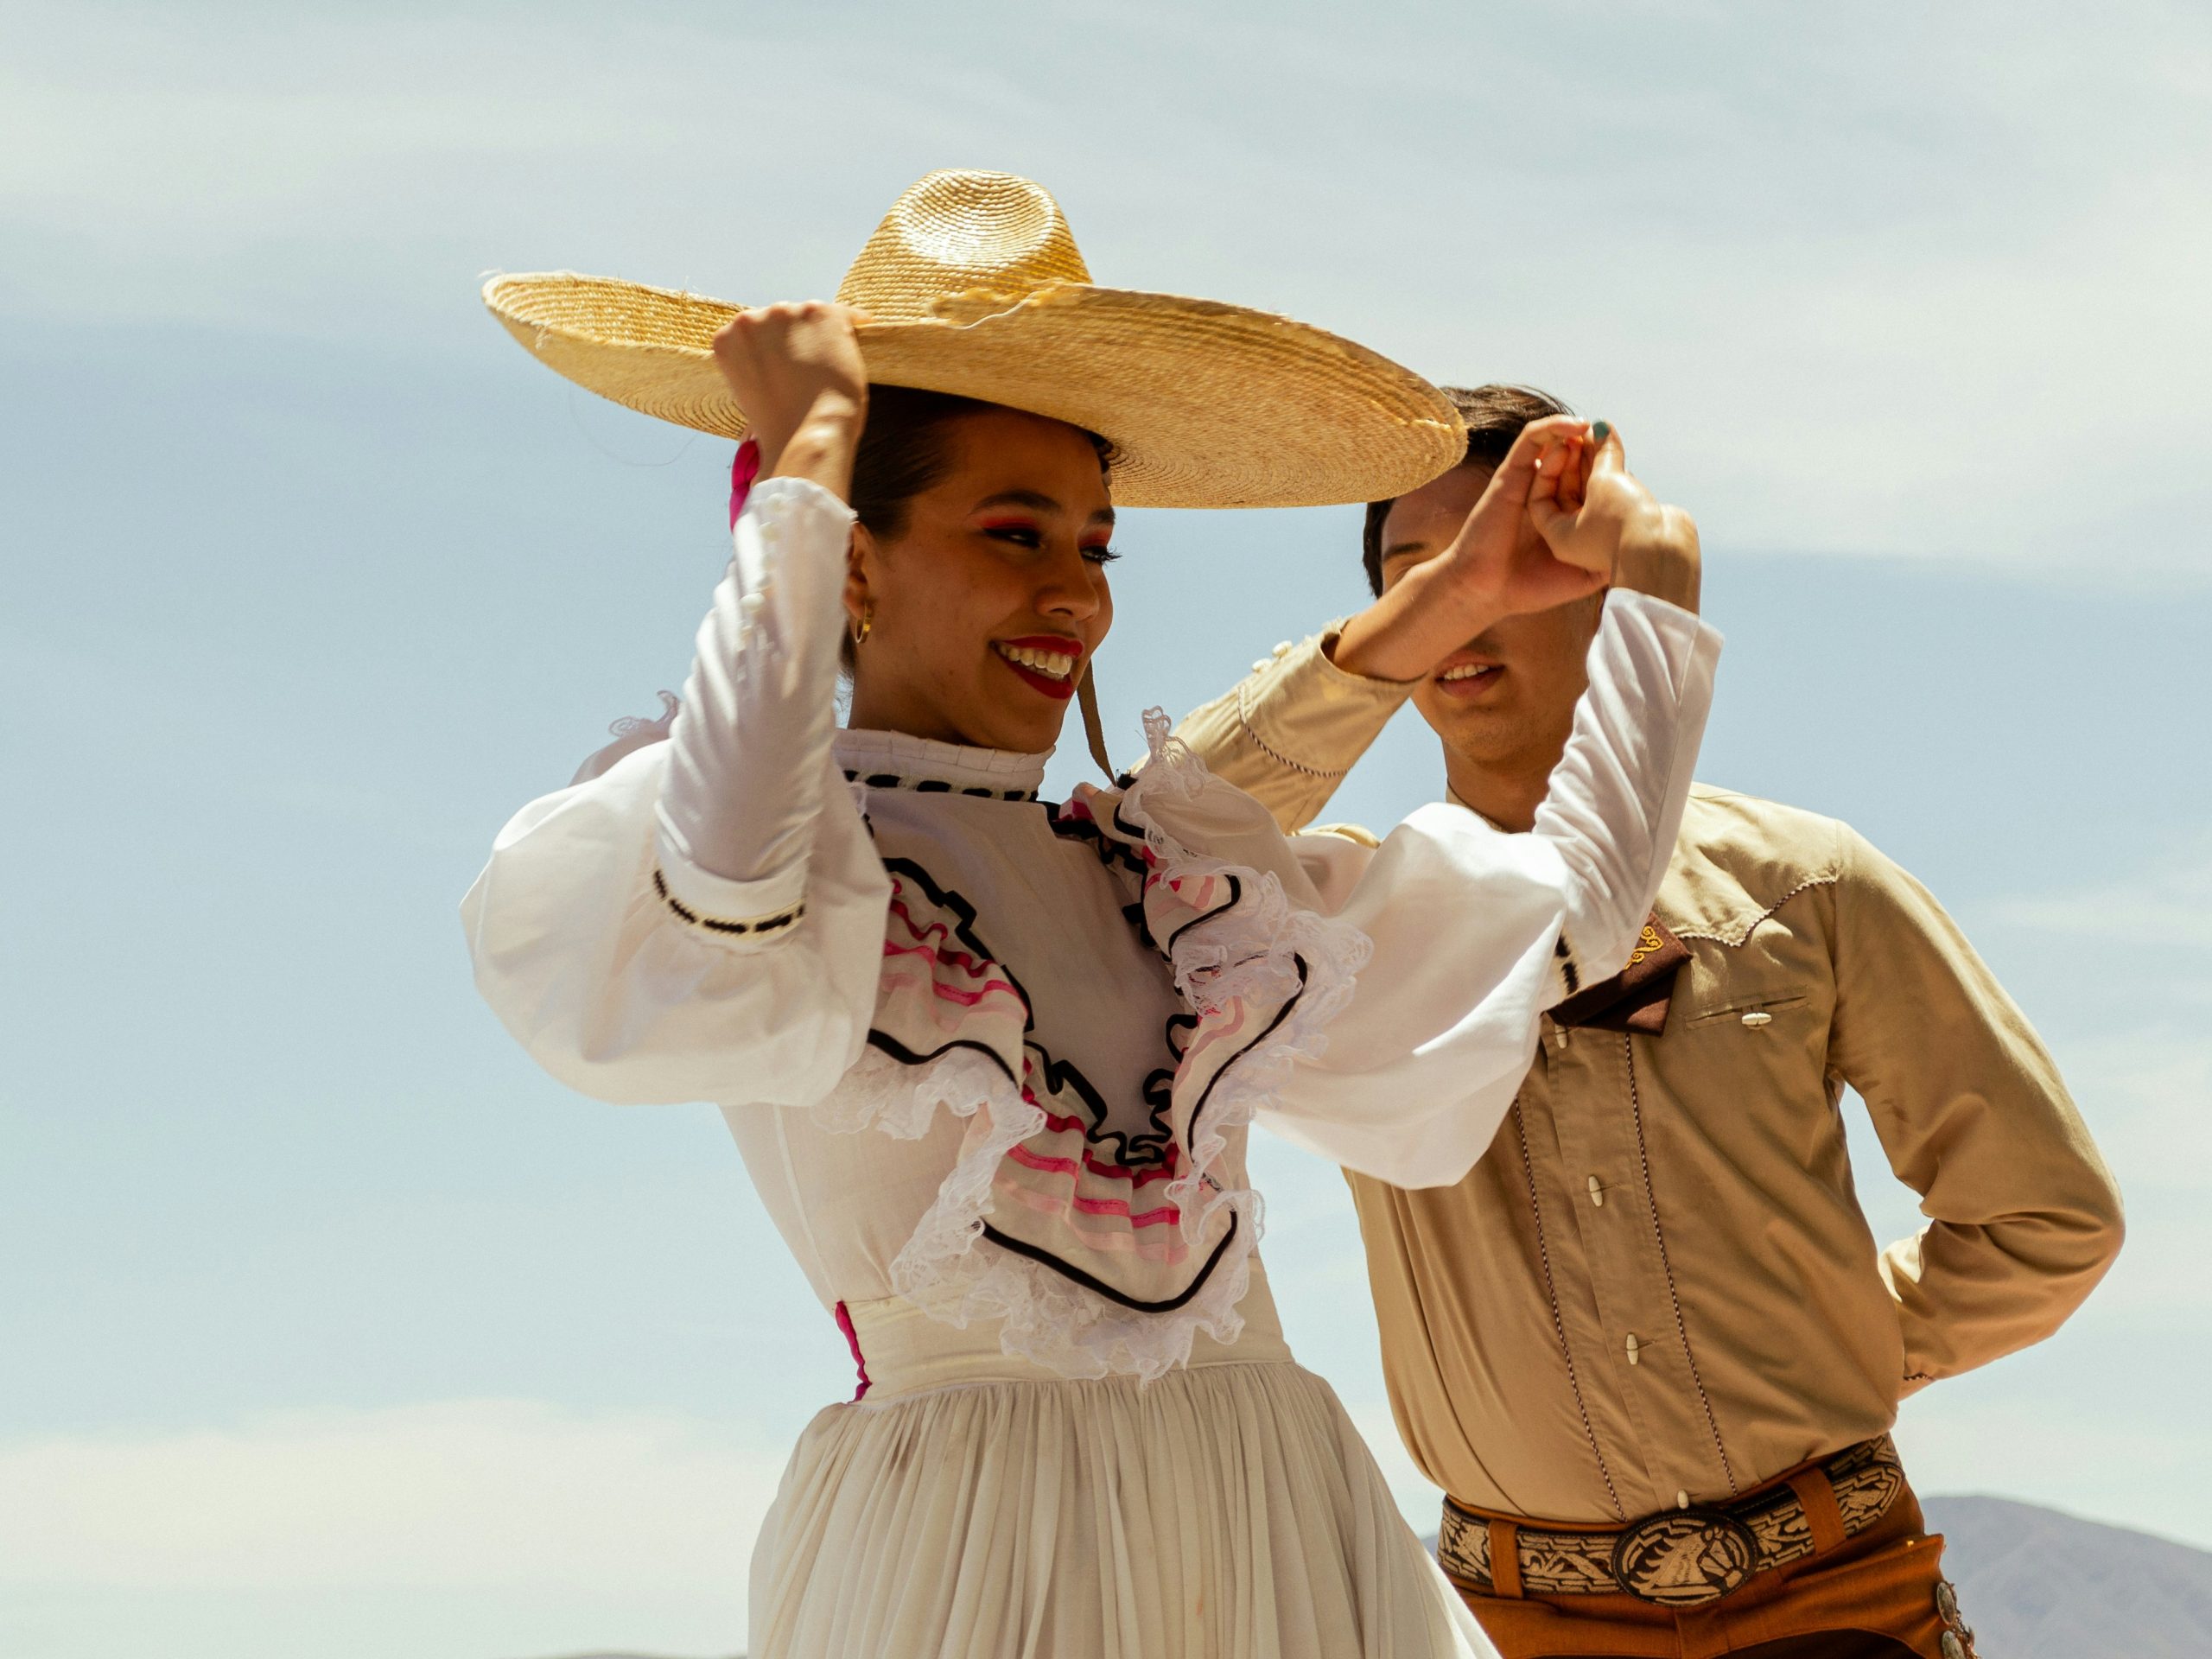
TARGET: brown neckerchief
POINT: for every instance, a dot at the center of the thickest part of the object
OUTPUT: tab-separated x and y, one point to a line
1635	998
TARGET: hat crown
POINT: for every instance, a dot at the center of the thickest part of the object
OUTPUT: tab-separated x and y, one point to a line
955	231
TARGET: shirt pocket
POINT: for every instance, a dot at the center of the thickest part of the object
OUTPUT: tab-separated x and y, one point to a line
1749	1008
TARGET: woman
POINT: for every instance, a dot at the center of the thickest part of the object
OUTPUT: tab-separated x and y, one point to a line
990	1063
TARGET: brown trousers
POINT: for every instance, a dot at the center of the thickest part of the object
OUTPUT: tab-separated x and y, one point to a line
1862	1598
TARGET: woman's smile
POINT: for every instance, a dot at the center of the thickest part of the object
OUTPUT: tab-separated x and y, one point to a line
1047	662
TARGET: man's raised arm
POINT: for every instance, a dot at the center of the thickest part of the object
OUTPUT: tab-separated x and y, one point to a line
1288	732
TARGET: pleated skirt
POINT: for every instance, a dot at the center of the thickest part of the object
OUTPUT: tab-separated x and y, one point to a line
1229	1510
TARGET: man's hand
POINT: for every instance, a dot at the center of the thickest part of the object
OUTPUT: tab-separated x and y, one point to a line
1595	515
796	372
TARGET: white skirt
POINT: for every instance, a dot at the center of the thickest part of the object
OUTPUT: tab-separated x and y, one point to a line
1229	1511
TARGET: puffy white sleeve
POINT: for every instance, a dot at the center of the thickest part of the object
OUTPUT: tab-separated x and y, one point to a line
1475	932
704	919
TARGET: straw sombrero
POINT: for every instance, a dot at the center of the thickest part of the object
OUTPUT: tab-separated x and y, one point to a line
974	286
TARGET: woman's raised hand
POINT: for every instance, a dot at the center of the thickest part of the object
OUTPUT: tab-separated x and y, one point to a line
1495	563
1596	515
1561	517
796	371
1496	566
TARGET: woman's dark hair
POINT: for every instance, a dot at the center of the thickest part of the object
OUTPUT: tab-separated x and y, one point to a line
1494	415
905	447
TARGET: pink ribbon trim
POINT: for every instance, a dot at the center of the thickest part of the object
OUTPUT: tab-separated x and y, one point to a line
853	1342
744	468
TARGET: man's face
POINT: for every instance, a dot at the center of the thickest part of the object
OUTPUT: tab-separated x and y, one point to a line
1505	700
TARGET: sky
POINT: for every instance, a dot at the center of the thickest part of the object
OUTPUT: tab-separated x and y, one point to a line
328	1325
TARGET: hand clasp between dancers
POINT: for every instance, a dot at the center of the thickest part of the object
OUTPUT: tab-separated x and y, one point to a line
1561	518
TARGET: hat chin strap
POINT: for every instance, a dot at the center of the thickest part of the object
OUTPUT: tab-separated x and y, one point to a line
1094	729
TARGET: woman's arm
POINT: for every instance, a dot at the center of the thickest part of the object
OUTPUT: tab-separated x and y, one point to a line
1289	733
1489	572
705	920
1476	932
744	784
1598	527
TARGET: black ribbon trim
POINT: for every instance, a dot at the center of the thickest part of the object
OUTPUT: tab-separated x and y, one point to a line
1045	1258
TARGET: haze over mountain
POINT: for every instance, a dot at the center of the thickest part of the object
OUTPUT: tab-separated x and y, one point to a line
2039	1584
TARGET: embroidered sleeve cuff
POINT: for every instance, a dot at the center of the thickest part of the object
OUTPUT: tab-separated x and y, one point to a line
735	912
783	502
1310	715
1567	978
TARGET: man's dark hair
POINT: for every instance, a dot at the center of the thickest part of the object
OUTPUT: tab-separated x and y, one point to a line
1494	415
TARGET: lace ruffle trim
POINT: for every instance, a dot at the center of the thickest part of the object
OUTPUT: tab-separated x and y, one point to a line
1251	950
1046	1319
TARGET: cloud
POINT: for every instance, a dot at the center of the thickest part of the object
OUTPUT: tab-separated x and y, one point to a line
2169	905
2153	1094
2145	1075
471	1494
1907	286
461	1528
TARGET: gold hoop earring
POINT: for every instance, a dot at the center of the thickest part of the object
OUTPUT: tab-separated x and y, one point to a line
866	626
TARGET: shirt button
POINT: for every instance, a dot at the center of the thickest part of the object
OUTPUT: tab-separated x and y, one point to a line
1632	1350
1681	1499
751	603
1261	663
1282	648
1756	1020
1558	1037
1596	1193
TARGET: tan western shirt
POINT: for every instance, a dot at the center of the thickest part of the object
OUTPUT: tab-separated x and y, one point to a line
1657	1284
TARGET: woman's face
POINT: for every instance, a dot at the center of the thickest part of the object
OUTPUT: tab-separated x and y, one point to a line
985	610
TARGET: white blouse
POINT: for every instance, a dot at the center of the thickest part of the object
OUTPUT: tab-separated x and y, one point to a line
1016	1045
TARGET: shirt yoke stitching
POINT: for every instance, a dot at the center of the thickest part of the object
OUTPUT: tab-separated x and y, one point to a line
1827	879
1244	719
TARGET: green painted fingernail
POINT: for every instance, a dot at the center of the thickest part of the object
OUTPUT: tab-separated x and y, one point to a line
1599	429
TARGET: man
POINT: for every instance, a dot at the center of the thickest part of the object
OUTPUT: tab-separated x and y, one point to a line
1648	1347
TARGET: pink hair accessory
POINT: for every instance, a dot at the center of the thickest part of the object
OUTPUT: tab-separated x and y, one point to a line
744	468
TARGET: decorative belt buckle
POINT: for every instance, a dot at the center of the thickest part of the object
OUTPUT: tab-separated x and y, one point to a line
1685	1557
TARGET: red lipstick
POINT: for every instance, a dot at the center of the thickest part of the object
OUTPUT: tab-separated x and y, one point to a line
1054	644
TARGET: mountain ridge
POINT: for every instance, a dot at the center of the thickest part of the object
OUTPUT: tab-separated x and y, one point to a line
2037	1583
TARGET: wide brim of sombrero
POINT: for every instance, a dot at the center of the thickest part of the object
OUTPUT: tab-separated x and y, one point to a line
1205	404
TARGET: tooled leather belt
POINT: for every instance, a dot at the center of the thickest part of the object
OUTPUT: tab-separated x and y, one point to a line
1678	1558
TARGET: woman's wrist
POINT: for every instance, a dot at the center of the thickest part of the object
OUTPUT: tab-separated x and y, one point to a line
821	446
1416	625
1666	564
